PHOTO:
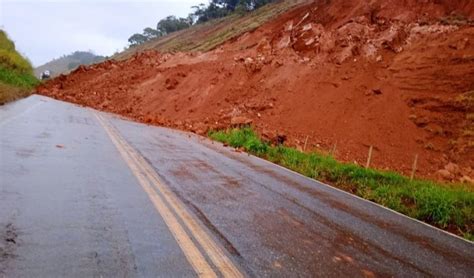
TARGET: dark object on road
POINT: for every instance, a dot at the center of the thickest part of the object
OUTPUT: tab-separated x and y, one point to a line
45	75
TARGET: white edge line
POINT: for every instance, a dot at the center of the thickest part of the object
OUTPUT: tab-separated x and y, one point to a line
296	173
342	191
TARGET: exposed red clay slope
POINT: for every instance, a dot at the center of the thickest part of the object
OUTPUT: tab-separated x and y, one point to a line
396	75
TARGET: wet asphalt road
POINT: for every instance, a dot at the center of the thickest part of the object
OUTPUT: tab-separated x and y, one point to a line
86	194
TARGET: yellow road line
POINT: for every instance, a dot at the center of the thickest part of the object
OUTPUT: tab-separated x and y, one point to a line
215	253
192	253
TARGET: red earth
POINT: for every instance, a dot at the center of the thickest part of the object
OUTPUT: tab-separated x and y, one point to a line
340	75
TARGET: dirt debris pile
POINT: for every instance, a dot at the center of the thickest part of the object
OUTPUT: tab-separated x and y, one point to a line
395	75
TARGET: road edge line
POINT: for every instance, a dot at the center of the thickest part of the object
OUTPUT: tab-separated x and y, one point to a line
220	144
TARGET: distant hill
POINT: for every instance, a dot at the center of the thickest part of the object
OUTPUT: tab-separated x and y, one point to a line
69	62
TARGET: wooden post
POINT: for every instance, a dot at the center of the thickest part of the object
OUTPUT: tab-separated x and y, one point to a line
413	171
333	151
369	158
305	142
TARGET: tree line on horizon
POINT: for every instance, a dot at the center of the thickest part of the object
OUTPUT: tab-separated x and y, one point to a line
202	13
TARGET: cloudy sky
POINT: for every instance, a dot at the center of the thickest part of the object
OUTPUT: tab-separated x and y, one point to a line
47	29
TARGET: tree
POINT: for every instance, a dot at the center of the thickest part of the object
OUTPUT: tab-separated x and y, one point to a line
151	33
165	26
137	39
221	8
172	24
215	9
230	5
201	13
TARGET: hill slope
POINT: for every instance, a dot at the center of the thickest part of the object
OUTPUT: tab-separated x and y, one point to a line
16	73
339	75
207	36
69	62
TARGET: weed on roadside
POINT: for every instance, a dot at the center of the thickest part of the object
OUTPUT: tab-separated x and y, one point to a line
442	205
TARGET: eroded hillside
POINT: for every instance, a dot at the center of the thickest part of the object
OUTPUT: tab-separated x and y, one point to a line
339	75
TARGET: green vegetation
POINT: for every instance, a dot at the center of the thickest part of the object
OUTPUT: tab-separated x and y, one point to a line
450	207
202	13
222	8
164	27
10	58
235	25
210	34
16	72
17	79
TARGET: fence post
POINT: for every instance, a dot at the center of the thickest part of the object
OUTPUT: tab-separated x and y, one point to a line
369	158
305	142
413	170
333	151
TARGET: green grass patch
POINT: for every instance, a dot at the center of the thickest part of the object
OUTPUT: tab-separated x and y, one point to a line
17	79
14	61
16	72
10	58
450	207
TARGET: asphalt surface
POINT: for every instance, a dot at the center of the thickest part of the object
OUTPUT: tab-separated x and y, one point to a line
87	194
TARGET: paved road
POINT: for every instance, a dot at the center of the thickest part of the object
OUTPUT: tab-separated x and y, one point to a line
85	194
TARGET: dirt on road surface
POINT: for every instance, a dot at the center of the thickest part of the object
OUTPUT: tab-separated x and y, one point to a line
395	75
147	201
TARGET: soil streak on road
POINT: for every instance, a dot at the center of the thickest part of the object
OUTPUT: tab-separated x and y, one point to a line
128	198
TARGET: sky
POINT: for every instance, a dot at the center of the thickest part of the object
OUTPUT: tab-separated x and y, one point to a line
47	29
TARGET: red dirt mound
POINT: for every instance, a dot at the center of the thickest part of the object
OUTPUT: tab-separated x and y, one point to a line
343	75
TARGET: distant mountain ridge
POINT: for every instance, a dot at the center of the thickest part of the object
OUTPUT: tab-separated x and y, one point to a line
69	62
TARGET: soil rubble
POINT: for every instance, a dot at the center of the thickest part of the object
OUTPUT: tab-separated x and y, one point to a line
332	75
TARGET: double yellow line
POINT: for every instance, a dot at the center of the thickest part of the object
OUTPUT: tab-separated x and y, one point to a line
172	209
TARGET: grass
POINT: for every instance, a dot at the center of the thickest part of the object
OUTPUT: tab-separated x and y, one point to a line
242	24
9	93
16	72
450	207
211	34
17	79
10	58
15	85
14	61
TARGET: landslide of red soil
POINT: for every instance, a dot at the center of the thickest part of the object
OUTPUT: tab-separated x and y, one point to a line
343	75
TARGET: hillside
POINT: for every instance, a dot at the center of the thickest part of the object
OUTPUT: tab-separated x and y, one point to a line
16	73
207	36
69	62
338	76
